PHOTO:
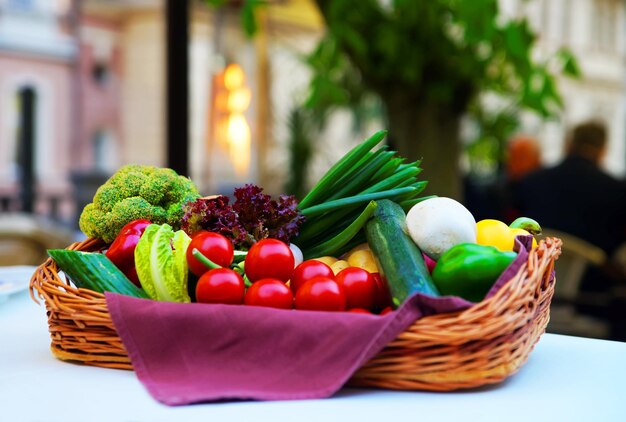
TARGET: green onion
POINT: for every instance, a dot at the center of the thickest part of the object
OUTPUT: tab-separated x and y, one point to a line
407	205
339	199
351	185
331	246
353	200
341	167
392	181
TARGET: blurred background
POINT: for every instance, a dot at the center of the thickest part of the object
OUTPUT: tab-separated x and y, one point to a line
273	92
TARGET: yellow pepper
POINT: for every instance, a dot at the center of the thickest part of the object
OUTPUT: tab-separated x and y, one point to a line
363	258
328	260
498	234
339	265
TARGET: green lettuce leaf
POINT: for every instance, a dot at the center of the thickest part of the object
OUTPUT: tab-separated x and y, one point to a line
160	259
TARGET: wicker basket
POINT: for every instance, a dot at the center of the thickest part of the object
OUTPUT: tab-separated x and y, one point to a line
481	345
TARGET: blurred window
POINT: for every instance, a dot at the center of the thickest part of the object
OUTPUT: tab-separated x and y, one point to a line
104	151
100	73
26	97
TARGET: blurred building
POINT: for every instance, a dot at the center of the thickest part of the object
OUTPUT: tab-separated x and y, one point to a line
37	67
595	31
70	65
96	69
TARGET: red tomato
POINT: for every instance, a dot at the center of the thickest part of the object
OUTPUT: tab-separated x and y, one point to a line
387	310
269	258
269	292
359	311
359	286
308	270
212	245
383	296
321	294
220	285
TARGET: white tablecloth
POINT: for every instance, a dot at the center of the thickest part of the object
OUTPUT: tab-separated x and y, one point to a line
565	379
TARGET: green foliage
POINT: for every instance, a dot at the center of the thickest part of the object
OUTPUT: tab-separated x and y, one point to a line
486	152
438	52
247	13
136	192
300	150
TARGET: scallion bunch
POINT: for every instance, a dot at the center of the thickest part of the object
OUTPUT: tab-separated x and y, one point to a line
342	201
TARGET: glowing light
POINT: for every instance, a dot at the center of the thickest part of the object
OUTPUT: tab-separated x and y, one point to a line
239	100
238	135
230	128
233	77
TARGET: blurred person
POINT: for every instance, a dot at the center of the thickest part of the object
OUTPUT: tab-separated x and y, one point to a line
578	197
523	157
494	200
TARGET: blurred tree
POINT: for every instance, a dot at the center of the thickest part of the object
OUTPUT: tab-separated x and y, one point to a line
300	150
430	63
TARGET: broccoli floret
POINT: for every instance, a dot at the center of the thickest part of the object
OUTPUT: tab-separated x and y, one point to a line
135	192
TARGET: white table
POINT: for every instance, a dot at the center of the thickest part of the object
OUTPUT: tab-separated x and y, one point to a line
565	379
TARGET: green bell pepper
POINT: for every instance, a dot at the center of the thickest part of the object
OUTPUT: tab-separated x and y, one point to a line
469	270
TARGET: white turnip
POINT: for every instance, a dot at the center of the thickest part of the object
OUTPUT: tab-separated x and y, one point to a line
437	224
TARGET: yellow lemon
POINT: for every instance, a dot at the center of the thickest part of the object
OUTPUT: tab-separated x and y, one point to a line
494	233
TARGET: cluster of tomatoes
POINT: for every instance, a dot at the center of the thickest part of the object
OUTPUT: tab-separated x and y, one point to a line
275	281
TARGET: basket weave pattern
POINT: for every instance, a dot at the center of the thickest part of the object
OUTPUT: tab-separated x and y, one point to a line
481	345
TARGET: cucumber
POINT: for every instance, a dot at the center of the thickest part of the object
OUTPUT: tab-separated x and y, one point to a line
399	259
94	271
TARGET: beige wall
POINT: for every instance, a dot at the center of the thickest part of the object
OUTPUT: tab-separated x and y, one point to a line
51	81
142	108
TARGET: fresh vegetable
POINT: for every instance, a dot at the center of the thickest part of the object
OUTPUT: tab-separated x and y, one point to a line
94	271
298	257
122	250
386	311
496	233
252	217
527	224
208	264
437	224
383	296
339	265
213	246
430	263
161	261
220	285
137	192
359	286
399	259
363	258
469	270
308	270
269	292
269	258
338	242
328	260
321	294
343	193
359	311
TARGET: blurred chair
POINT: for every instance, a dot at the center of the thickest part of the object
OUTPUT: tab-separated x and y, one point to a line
576	256
24	239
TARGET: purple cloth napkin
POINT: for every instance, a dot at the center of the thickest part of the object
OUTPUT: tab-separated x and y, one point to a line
191	353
